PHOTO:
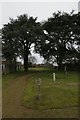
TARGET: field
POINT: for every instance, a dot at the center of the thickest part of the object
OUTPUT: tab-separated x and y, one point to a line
57	99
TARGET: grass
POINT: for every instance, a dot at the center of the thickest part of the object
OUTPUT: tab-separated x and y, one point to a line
62	93
7	78
57	99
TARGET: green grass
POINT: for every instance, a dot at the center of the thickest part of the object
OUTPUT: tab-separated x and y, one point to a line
58	99
62	93
7	78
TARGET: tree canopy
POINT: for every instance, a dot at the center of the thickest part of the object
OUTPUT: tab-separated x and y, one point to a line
61	38
18	35
58	37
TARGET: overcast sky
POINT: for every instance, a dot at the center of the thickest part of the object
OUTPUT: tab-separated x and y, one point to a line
42	10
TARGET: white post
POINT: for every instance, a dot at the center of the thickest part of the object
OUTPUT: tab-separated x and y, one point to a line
54	78
65	68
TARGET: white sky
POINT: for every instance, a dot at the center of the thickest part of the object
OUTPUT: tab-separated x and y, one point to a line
42	10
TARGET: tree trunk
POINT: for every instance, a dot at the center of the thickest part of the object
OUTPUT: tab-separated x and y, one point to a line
60	63
15	65
26	62
26	53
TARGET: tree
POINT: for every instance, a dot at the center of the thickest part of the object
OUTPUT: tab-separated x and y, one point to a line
76	31
9	45
25	32
59	37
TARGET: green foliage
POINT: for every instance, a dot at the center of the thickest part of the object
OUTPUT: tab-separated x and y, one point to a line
18	35
60	37
56	37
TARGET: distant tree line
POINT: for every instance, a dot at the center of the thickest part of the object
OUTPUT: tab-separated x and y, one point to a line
58	37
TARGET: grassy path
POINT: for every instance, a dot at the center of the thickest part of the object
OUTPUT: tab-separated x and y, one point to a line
12	95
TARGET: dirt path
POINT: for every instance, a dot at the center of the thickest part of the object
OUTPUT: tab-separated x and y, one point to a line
12	99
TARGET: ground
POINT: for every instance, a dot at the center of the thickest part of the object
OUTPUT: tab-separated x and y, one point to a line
0	95
58	99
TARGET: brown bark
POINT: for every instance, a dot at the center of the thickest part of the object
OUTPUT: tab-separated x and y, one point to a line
26	62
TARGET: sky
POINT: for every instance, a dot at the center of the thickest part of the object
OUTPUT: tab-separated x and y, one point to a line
42	10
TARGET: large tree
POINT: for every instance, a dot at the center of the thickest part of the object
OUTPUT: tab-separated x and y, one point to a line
76	31
59	39
23	34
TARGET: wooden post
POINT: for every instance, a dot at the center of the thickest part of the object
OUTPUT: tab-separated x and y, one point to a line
65	70
38	83
54	78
